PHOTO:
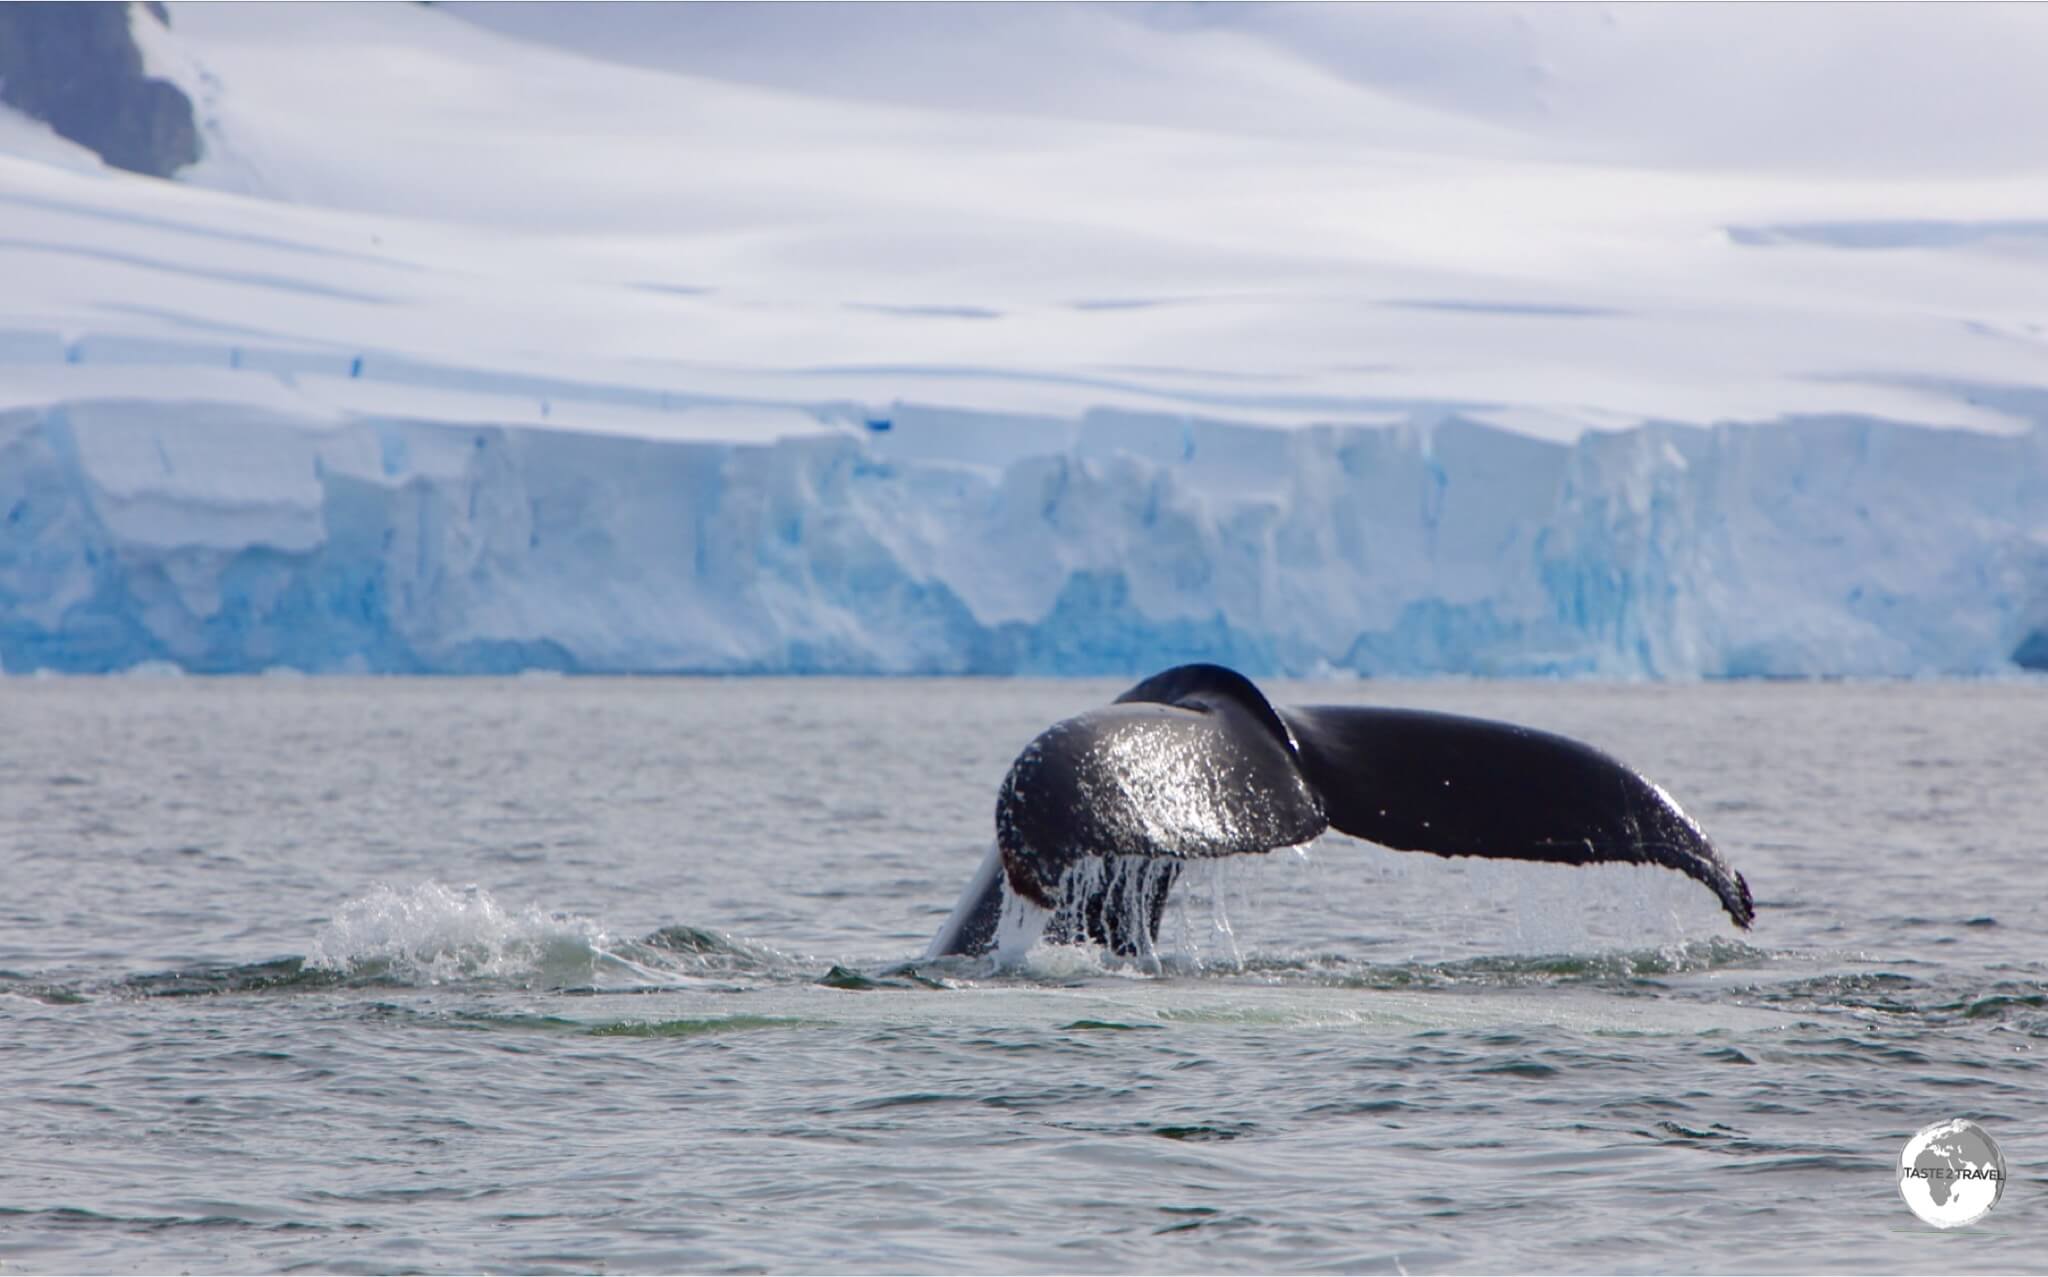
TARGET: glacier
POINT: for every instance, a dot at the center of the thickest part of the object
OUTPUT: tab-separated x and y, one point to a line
1319	340
230	537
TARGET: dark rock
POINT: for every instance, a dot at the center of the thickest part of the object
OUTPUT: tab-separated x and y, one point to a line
76	68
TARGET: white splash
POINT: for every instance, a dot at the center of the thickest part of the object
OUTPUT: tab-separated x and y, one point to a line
1019	928
1044	942
438	933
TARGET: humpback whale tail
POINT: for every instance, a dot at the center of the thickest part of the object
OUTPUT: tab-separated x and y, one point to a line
1195	763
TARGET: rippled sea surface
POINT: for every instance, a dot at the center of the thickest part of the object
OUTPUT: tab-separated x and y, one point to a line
386	975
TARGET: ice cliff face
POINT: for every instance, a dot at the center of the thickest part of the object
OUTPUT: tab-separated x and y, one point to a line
235	539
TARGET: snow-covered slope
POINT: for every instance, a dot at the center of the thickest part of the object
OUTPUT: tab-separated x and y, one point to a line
1390	339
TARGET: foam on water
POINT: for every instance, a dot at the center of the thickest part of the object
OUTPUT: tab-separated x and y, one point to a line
438	933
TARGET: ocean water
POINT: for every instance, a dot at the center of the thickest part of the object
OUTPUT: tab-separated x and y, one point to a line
423	975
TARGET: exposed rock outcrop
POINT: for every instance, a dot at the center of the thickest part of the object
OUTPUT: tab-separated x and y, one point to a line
76	68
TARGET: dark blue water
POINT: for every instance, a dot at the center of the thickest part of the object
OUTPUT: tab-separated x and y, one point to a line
428	975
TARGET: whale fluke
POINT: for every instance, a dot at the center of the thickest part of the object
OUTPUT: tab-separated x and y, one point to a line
1415	780
1194	763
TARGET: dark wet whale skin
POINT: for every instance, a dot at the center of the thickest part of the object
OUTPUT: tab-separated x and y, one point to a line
1195	763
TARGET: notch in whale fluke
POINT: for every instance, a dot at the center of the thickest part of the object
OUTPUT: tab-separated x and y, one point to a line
1194	762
